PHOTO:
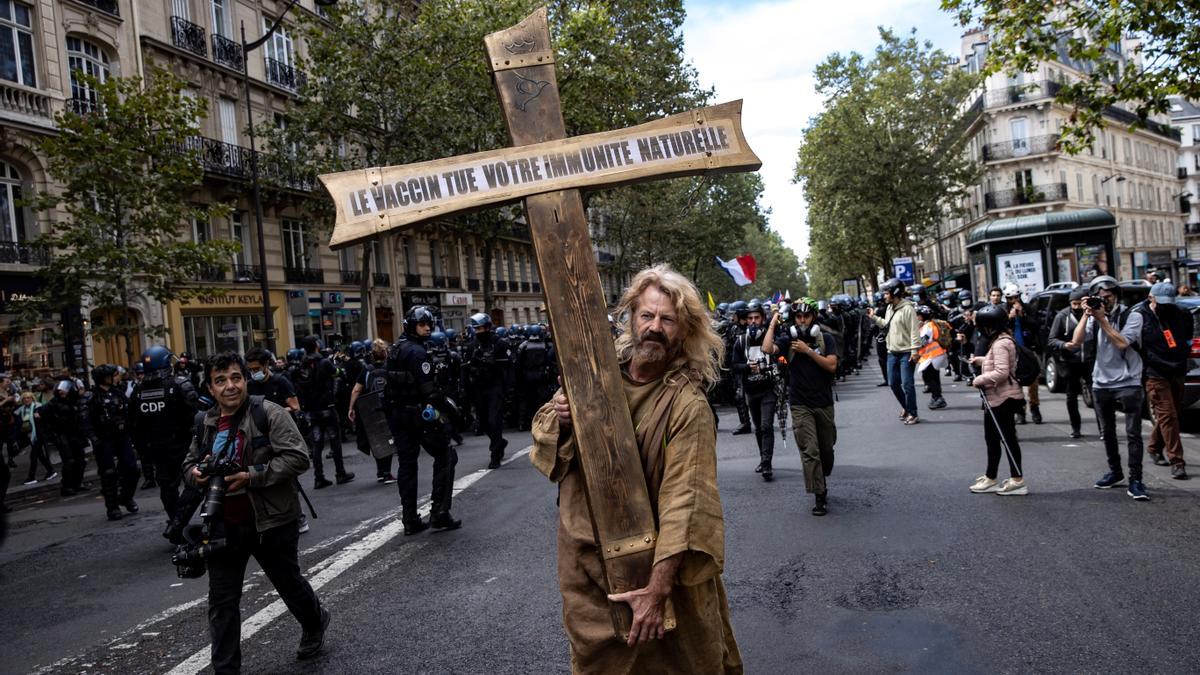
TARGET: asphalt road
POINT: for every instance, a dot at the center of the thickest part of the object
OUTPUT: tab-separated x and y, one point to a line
908	572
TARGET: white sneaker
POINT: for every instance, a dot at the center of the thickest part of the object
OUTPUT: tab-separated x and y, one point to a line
31	481
1012	486
984	484
303	523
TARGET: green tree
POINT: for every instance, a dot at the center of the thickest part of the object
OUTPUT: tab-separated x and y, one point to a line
124	172
884	162
1025	33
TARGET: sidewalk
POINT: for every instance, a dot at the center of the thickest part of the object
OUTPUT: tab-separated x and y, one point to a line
21	495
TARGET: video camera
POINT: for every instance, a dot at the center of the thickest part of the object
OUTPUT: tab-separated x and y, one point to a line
189	557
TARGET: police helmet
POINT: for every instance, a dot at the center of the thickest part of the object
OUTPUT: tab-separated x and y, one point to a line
892	286
450	334
877	296
501	331
919	290
185	356
417	315
156	358
991	319
740	309
437	338
67	386
964	295
139	368
103	372
753	306
1102	282
480	320
535	332
357	348
295	355
515	329
722	308
925	311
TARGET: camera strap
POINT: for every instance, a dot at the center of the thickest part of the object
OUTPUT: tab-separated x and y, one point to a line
234	426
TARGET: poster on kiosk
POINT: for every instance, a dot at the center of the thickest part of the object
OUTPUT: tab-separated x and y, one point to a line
1023	269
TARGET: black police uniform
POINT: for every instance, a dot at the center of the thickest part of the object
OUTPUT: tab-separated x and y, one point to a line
735	333
410	389
65	421
487	363
315	381
108	414
353	371
448	373
534	366
162	415
760	391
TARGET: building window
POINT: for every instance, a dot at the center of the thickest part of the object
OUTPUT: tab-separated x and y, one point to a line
16	43
227	115
469	254
201	230
435	257
86	57
12	216
509	258
221	19
241	234
295	245
208	335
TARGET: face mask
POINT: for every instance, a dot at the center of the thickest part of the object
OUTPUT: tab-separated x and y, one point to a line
258	376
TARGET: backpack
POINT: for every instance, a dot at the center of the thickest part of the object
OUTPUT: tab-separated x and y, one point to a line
533	356
376	380
1028	368
945	333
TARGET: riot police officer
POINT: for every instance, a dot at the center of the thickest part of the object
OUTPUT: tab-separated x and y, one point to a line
487	361
315	381
737	327
65	421
161	415
448	373
756	372
415	417
108	417
535	373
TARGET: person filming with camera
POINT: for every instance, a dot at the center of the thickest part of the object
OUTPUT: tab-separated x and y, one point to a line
247	459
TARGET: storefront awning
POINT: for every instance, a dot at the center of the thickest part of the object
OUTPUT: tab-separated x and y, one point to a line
1040	224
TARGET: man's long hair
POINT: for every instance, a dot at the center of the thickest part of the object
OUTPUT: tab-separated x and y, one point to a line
700	348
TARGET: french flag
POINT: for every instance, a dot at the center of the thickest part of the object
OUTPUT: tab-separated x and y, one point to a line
741	269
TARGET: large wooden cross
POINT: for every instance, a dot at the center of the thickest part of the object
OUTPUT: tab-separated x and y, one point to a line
546	169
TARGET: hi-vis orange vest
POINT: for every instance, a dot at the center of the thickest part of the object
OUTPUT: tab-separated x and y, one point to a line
933	349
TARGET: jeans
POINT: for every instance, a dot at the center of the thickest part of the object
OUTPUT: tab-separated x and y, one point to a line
277	552
1001	430
900	377
762	414
1129	401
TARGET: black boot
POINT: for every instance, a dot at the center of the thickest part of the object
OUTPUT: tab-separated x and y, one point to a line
744	429
414	526
820	506
444	521
1036	413
767	473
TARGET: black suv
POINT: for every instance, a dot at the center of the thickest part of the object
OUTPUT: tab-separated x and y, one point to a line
1042	307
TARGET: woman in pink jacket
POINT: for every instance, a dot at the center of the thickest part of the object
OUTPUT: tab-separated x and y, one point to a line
997	380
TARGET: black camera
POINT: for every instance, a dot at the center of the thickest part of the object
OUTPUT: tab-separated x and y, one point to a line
189	558
1093	302
217	470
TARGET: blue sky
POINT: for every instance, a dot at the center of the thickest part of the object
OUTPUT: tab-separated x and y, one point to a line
764	52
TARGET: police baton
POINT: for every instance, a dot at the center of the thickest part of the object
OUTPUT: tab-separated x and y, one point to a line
303	494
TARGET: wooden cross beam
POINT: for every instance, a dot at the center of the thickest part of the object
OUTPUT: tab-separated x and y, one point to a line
547	170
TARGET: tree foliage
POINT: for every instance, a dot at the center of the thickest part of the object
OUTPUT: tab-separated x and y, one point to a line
125	173
1024	33
883	162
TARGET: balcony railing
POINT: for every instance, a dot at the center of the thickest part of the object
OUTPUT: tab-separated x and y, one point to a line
231	160
1181	172
283	75
188	36
472	284
81	105
106	6
211	273
412	280
382	279
23	101
1020	147
1023	93
228	53
352	277
301	275
18	252
1034	194
245	274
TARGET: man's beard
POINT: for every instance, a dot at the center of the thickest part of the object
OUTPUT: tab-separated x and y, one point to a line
651	347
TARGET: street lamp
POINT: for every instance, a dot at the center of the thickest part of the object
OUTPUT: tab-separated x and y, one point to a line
247	47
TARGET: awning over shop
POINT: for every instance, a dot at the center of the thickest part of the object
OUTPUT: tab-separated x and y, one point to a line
1041	224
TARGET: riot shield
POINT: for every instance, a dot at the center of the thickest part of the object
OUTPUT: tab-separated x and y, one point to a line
369	409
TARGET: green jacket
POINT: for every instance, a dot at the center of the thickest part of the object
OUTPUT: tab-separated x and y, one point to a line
903	328
276	460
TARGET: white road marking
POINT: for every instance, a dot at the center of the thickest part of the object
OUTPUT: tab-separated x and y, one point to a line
334	566
177	585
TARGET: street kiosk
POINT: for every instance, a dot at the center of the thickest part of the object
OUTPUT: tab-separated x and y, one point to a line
1036	251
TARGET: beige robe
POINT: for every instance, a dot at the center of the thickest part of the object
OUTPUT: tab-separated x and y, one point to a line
682	480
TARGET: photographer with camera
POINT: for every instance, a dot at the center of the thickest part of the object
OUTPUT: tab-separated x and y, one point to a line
1113	334
247	459
812	362
751	364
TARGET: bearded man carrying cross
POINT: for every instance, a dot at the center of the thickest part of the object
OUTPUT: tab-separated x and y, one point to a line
669	355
